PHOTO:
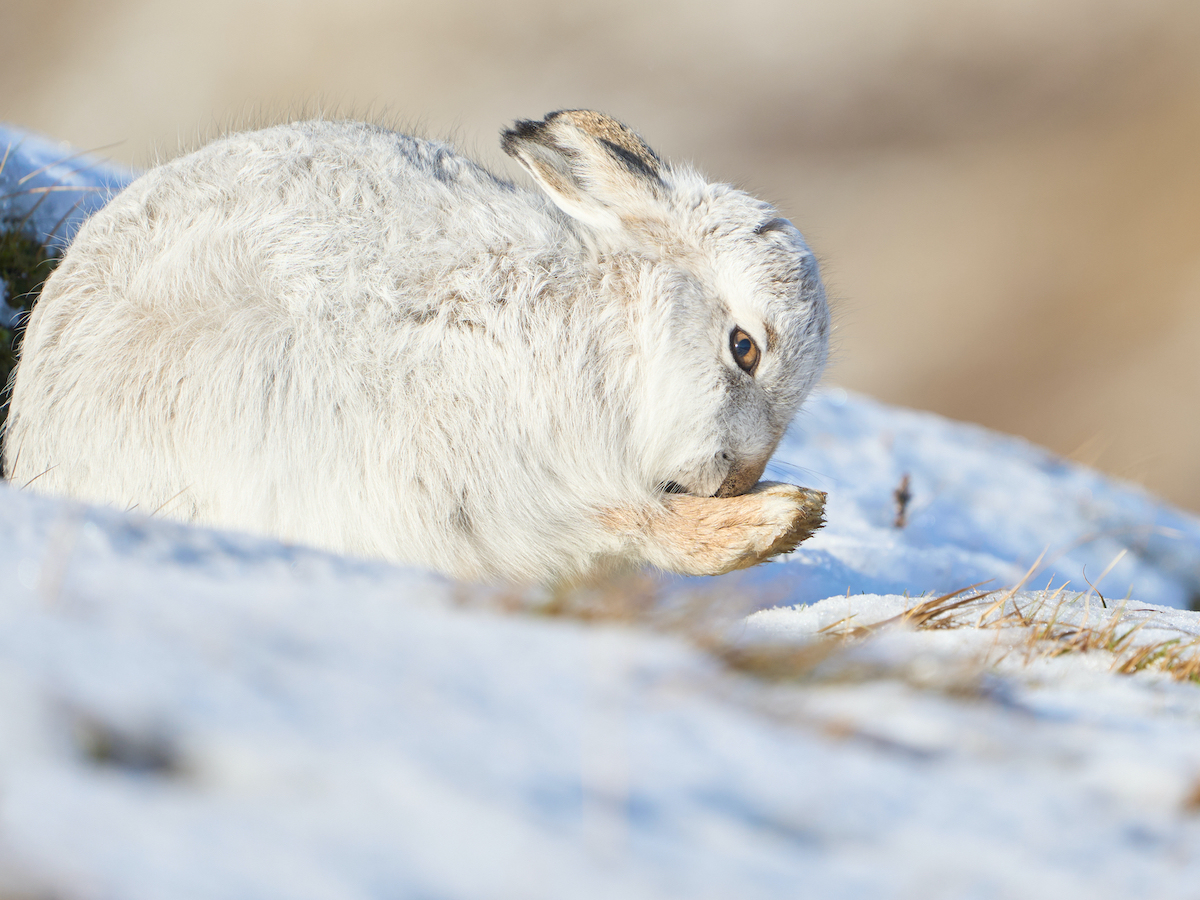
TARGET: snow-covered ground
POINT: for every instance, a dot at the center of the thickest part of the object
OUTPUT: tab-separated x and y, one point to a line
52	187
185	713
984	506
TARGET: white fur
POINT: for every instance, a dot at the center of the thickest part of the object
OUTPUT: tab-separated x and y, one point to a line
360	340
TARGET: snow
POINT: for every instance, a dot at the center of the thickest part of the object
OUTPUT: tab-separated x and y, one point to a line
49	188
193	714
985	506
52	186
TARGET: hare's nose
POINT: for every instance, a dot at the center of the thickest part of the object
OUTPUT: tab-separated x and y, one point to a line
742	476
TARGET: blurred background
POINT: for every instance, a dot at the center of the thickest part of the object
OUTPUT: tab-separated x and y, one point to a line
1004	194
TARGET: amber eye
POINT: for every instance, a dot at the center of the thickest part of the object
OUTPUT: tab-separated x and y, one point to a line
745	351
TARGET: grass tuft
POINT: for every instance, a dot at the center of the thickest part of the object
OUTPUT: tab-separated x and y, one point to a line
1035	626
24	267
25	264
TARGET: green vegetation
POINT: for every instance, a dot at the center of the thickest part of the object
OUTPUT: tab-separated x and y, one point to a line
25	264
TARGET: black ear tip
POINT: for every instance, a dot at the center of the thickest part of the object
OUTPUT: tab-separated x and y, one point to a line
522	130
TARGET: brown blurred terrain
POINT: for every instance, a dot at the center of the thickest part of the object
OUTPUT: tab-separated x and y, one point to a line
1005	194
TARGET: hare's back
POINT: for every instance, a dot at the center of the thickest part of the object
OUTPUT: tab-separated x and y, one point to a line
310	217
262	260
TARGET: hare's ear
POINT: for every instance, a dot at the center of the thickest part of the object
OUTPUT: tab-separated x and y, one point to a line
594	168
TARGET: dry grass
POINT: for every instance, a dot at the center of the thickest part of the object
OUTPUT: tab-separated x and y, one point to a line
1031	629
640	599
1046	635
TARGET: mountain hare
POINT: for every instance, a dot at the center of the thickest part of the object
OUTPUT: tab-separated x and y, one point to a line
360	340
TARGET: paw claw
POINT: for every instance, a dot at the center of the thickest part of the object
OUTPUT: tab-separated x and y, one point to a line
794	516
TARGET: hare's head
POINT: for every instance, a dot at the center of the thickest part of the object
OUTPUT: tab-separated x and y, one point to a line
730	321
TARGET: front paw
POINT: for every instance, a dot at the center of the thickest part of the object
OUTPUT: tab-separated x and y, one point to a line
790	513
712	535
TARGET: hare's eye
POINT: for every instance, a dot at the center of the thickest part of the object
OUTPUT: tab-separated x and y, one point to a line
745	351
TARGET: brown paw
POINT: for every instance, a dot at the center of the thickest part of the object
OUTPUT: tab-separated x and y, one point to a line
790	514
711	535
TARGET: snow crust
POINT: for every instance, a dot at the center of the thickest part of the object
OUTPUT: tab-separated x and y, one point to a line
197	714
193	714
984	506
